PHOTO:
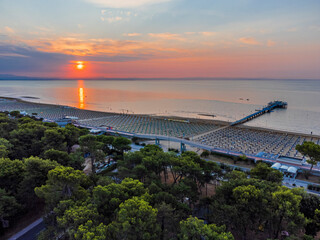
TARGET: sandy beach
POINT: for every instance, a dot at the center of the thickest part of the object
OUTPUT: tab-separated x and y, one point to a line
252	141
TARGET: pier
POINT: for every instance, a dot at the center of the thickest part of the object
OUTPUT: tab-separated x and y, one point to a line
267	109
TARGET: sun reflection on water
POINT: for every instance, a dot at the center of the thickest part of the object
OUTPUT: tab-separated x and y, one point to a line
81	94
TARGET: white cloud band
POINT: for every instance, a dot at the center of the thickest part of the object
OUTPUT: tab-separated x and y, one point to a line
125	3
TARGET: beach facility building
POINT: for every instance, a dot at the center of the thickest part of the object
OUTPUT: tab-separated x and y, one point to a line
288	171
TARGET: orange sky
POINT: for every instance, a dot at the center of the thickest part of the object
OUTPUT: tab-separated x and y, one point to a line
157	38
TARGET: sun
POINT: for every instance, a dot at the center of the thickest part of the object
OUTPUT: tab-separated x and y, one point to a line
80	65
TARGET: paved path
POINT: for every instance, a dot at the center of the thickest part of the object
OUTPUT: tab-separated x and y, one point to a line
207	133
30	232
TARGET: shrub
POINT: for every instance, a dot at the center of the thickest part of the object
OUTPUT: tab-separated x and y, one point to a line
205	153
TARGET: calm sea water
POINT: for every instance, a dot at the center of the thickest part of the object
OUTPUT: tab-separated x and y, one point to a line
228	100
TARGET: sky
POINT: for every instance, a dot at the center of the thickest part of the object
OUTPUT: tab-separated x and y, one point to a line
160	38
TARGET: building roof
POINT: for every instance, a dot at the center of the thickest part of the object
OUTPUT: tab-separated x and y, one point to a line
292	170
276	166
284	167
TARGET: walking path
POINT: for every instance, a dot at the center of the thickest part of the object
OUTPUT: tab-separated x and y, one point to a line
207	133
30	232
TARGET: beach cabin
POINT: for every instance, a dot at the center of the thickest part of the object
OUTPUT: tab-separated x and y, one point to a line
283	168
24	113
62	122
96	131
288	171
72	118
276	166
292	172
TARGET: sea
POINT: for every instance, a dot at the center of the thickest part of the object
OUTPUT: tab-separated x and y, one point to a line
217	99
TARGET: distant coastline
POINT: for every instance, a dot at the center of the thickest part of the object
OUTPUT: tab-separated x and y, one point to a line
8	77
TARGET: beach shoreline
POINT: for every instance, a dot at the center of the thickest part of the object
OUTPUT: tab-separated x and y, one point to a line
178	118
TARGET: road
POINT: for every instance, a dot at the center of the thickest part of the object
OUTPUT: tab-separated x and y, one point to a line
30	232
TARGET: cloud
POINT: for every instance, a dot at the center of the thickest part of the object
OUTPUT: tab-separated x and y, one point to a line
271	43
26	59
116	15
167	36
249	41
103	47
292	29
207	34
265	31
9	30
125	3
315	28
132	34
114	19
11	55
190	33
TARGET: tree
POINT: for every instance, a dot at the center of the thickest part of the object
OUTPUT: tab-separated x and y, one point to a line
108	198
107	141
60	157
264	172
27	140
63	183
243	158
244	205
35	175
71	134
168	218
54	139
136	220
195	229
8	207
77	215
77	160
205	153
3	151
90	145
157	162
186	191
24	120
5	147
308	206
6	126
140	172
11	174
311	150
89	231
211	172
286	213
15	114
151	150
250	207
121	144
135	140
184	166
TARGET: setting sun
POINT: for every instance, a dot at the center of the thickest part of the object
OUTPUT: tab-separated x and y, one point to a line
80	65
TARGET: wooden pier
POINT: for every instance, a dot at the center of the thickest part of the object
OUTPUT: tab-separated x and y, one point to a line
267	109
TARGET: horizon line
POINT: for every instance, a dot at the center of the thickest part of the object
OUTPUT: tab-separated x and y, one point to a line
17	77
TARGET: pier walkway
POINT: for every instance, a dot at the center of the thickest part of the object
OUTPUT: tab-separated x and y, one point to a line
267	109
